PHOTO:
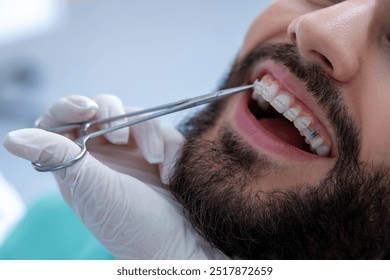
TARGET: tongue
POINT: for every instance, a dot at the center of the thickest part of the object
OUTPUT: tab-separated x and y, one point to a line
285	130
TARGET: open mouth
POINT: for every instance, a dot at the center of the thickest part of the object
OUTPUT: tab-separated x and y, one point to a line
278	111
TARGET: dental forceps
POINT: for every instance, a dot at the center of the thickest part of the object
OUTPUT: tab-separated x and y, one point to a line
137	117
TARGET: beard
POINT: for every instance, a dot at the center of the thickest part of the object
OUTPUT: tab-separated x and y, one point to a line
345	216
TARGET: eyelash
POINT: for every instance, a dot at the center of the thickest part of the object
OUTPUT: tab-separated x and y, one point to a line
326	2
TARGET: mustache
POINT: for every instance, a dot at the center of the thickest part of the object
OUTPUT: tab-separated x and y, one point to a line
317	83
311	74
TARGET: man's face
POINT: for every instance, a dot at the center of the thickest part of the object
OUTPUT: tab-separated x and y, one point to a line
325	65
350	40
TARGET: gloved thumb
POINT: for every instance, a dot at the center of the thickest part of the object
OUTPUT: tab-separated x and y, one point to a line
41	147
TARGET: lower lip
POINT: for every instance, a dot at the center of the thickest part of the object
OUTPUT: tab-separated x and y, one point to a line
249	126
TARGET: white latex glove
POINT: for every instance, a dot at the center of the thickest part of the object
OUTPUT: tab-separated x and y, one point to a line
117	194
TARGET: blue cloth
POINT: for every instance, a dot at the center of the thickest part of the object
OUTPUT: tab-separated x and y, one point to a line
51	231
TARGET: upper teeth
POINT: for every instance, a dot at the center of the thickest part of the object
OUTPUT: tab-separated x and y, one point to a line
267	92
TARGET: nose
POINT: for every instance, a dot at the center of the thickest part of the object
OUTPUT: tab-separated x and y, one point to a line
334	37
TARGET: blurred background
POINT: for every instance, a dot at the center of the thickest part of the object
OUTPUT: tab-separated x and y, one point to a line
147	52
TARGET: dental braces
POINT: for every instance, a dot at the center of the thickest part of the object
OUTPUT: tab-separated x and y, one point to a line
314	133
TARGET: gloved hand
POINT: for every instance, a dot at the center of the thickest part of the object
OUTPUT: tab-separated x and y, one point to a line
116	189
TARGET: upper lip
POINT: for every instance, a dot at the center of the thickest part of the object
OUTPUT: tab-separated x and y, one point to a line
297	88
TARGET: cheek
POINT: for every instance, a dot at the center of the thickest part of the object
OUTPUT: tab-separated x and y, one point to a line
376	132
270	26
372	111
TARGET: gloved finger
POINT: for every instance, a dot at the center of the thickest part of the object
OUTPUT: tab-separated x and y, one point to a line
70	109
109	106
173	141
149	138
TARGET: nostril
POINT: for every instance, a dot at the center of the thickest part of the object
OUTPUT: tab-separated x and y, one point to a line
323	59
293	37
292	32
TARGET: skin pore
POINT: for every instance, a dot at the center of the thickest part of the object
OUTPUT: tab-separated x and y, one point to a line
252	201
